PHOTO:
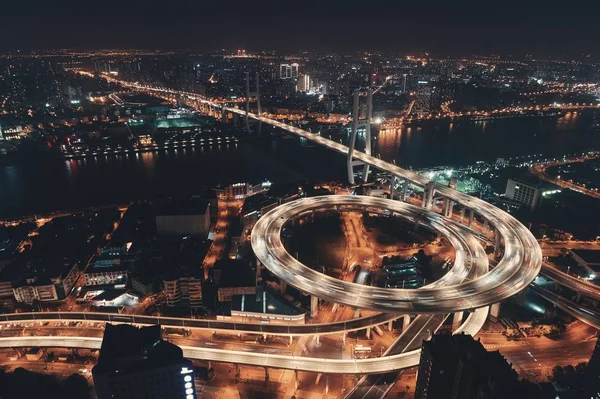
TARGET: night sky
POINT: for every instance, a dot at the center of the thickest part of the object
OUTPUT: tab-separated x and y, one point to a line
441	27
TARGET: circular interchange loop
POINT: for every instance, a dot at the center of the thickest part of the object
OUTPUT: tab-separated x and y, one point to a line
518	267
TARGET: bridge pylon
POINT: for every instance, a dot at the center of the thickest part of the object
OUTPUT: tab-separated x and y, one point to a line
256	94
356	122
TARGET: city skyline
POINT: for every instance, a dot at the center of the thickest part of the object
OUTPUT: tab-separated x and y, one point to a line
433	26
243	222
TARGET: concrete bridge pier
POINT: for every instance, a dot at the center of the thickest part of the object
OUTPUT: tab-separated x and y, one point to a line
457	320
430	195
449	208
405	322
405	190
498	238
282	286
462	214
314	305
266	374
471	217
495	312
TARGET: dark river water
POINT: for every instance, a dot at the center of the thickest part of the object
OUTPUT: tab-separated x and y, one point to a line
43	185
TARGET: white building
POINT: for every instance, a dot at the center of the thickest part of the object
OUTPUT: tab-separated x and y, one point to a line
529	193
288	71
304	83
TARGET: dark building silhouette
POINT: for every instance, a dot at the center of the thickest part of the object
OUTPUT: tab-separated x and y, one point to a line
136	363
592	374
458	367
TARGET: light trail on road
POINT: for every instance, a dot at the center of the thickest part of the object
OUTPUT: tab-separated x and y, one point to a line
520	264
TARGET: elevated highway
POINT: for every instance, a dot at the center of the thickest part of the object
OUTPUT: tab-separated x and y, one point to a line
520	263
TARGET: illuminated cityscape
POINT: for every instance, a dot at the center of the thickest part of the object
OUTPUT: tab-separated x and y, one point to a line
299	201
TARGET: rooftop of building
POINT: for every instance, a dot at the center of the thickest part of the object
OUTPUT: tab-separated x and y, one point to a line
444	344
264	301
235	273
109	295
181	206
255	203
534	181
41	272
106	264
127	349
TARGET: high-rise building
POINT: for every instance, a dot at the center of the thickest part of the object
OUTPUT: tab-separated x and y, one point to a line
304	83
184	288
135	363
458	367
288	71
592	374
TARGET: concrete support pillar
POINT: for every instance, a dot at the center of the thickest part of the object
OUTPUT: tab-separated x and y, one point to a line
471	217
296	380
392	185
449	208
282	286
223	115
457	320
318	341
404	190
356	313
318	379
495	312
424	199
485	226
344	338
237	373
390	327
291	340
497	244
327	384
462	214
266	374
445	207
265	337
209	365
405	322
430	195
314	306
368	333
